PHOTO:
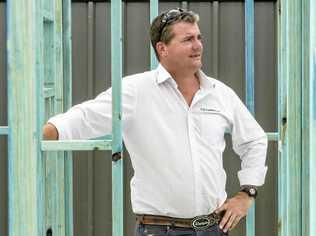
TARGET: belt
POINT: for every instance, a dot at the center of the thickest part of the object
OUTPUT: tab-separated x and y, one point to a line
198	223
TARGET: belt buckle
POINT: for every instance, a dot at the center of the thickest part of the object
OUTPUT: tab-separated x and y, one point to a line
202	222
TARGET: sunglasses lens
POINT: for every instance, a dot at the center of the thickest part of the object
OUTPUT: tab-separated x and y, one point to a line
171	15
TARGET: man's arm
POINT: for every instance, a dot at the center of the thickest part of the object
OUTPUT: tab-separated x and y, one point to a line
250	143
50	132
92	118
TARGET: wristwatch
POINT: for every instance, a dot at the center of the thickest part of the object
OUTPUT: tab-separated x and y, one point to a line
250	190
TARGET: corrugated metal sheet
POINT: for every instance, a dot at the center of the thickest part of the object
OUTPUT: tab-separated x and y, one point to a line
222	25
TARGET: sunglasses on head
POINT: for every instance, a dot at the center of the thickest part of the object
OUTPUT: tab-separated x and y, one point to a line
171	16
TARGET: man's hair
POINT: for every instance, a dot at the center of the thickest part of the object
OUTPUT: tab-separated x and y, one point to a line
161	27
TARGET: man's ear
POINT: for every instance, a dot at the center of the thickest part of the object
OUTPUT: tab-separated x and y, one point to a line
161	49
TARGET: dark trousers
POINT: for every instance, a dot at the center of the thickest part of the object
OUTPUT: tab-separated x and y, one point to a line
156	230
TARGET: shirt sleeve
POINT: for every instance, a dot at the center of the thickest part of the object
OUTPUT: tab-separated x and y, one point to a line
93	118
250	143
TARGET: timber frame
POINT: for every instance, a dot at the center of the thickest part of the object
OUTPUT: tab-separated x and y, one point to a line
39	85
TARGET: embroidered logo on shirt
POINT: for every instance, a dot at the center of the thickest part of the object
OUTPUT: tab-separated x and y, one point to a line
208	109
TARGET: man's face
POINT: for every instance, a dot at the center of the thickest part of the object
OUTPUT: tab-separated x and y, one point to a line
184	51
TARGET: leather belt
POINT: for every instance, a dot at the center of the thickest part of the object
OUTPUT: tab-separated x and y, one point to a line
198	223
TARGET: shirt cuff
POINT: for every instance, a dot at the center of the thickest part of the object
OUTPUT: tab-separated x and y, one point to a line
254	176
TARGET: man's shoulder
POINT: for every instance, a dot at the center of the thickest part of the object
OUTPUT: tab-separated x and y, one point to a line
140	81
140	77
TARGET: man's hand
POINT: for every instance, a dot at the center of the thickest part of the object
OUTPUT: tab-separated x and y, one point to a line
50	132
235	209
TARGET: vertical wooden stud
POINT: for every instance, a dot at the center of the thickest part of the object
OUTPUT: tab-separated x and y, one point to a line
250	92
26	177
153	13
117	165
290	117
215	33
308	117
90	180
67	74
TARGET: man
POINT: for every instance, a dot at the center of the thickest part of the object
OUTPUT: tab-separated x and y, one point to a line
174	120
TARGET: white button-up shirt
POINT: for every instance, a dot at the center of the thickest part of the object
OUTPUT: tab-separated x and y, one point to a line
175	149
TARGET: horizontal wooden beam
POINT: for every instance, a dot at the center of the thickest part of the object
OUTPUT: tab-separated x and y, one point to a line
4	130
273	136
76	145
49	92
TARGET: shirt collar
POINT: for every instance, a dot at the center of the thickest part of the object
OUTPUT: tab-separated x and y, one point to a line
206	83
163	75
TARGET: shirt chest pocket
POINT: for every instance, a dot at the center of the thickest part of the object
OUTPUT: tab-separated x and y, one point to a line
213	126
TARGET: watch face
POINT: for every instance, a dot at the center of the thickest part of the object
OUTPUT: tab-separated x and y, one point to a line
252	191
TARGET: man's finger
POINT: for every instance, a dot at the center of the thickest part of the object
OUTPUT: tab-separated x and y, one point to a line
225	219
229	223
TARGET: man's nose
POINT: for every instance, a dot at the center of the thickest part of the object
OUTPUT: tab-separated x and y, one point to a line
197	44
